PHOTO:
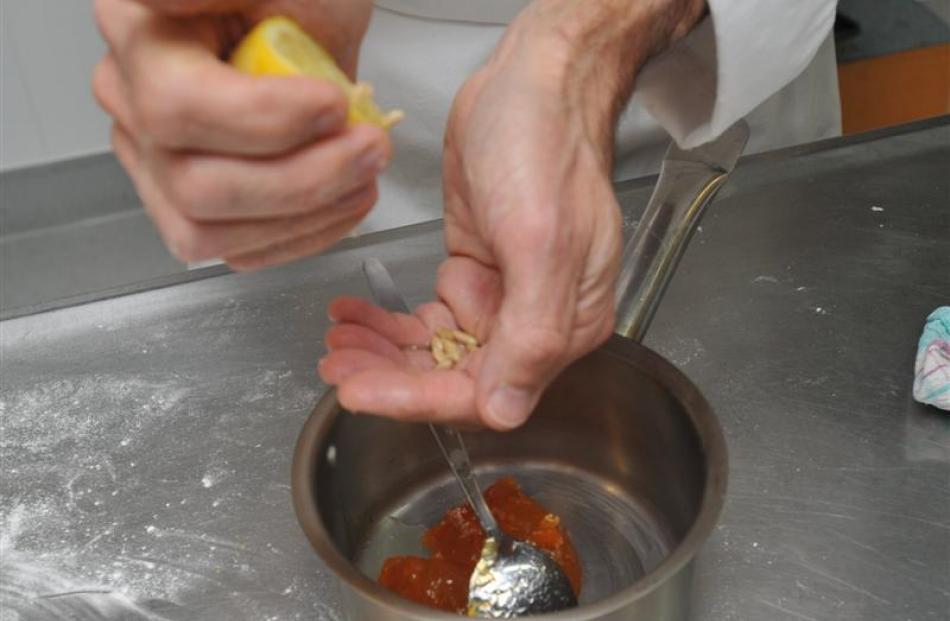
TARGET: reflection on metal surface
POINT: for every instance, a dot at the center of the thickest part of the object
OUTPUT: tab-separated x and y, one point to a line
927	435
830	486
688	182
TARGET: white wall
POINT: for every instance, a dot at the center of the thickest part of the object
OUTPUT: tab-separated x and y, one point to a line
48	49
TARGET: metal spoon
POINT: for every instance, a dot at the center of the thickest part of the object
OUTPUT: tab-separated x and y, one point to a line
513	578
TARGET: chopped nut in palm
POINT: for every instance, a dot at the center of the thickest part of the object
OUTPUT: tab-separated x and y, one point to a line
449	347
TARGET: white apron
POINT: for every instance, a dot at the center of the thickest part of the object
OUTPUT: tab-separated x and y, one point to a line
770	61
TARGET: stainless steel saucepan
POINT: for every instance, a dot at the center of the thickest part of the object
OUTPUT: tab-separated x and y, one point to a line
622	446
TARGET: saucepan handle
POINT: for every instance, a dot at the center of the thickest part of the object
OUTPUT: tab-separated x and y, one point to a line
687	183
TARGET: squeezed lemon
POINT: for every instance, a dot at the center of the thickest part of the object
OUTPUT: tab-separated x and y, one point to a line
279	46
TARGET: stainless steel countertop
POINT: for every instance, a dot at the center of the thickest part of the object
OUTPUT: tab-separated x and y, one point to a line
146	438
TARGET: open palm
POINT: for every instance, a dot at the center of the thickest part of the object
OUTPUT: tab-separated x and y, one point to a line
382	362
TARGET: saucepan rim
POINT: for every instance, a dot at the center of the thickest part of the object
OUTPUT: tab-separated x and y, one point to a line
320	422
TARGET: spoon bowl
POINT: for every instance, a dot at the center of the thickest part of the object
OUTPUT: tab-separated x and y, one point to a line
514	579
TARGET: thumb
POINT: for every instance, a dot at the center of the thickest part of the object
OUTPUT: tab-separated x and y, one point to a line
529	341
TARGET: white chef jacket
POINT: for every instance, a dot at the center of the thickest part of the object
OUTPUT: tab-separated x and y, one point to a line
770	61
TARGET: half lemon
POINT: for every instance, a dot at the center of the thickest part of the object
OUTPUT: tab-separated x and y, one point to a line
279	46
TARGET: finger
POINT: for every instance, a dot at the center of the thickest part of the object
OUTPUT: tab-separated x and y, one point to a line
529	340
115	19
210	187
191	241
177	233
351	336
473	291
402	329
242	239
337	366
109	91
129	154
125	149
436	315
438	396
185	97
288	251
170	226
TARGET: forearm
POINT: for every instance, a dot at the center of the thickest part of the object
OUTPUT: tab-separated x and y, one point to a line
594	48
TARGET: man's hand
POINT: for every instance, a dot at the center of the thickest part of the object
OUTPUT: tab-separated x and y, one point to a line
532	226
257	171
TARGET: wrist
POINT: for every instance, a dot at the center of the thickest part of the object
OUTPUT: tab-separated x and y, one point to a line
592	50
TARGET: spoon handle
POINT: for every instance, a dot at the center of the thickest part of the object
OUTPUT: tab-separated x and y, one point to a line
449	440
453	447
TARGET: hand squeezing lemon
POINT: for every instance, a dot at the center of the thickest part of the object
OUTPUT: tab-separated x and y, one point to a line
278	46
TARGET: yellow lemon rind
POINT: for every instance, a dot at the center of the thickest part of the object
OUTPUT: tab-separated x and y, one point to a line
278	46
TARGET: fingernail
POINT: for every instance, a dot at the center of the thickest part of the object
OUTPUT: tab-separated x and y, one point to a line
328	122
322	370
509	407
372	161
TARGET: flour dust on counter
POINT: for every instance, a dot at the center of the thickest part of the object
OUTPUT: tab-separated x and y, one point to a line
33	587
78	541
61	557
